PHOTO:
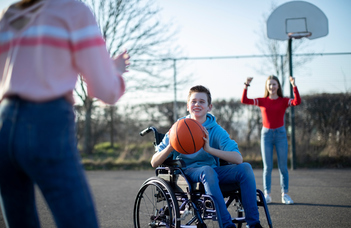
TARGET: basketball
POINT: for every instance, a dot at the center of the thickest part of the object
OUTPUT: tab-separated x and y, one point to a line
186	136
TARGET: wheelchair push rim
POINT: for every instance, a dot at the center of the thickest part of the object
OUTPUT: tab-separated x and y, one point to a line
155	205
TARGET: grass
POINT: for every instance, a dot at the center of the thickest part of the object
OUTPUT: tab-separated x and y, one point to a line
119	157
137	157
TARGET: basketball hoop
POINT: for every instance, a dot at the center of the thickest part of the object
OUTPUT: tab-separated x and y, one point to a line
299	35
295	20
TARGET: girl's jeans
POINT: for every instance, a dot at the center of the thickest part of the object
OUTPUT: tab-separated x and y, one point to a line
269	139
239	176
38	147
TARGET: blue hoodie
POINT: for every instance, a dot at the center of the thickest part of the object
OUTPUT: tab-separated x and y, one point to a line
219	139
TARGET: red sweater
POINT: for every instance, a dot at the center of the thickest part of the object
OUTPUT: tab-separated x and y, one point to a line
273	110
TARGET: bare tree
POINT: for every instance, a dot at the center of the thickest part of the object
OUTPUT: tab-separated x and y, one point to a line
253	122
135	25
228	113
276	51
324	120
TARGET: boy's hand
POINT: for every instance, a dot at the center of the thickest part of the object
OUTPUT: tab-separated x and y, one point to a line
228	156
206	146
170	147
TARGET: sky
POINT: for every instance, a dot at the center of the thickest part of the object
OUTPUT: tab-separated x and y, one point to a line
229	28
208	28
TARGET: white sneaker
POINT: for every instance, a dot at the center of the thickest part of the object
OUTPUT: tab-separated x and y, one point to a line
286	199
268	198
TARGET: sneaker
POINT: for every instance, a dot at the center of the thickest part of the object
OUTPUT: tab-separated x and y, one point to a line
268	198
231	226
286	199
257	225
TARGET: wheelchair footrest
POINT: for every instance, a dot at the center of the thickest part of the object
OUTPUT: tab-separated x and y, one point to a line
238	220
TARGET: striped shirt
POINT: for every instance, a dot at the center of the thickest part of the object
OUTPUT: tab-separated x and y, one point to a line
273	110
43	48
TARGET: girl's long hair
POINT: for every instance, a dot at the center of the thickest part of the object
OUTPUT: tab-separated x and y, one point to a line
279	92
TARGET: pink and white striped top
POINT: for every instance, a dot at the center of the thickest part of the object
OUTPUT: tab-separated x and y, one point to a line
45	46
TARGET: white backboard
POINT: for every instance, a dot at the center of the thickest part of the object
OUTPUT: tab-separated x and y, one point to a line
297	17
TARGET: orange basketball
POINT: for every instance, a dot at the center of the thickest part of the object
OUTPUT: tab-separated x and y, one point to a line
186	136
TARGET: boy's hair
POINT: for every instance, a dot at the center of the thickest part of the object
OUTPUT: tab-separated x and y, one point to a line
26	3
200	89
279	92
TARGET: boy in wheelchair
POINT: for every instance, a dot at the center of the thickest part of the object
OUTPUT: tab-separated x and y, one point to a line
203	166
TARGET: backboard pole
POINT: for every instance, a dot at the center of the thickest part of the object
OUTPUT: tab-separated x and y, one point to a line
282	72
292	113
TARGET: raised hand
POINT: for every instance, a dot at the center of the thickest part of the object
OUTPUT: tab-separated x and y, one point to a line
248	80
292	81
121	62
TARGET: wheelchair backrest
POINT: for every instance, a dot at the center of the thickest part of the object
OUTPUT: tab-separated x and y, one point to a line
159	137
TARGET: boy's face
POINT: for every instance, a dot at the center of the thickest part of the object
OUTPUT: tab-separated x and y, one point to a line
198	105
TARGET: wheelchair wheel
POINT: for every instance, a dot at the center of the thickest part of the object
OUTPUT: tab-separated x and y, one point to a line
155	205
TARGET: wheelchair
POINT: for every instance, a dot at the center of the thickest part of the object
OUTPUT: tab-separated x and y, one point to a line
170	200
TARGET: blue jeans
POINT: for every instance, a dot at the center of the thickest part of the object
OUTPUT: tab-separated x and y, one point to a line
239	176
269	139
38	147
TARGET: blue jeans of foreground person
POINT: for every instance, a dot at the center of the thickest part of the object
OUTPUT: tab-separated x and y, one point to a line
270	138
38	147
240	176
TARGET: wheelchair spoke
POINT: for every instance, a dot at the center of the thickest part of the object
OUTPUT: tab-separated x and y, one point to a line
191	217
153	207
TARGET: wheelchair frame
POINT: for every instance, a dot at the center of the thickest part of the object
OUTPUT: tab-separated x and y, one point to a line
167	199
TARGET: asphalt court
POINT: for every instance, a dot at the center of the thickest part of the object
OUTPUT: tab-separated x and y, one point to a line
322	198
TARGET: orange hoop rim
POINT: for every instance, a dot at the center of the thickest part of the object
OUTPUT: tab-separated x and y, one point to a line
299	35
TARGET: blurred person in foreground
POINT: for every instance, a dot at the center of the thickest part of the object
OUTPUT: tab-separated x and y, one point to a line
44	45
273	106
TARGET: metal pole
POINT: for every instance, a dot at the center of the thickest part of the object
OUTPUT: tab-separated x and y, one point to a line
292	113
175	109
282	72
